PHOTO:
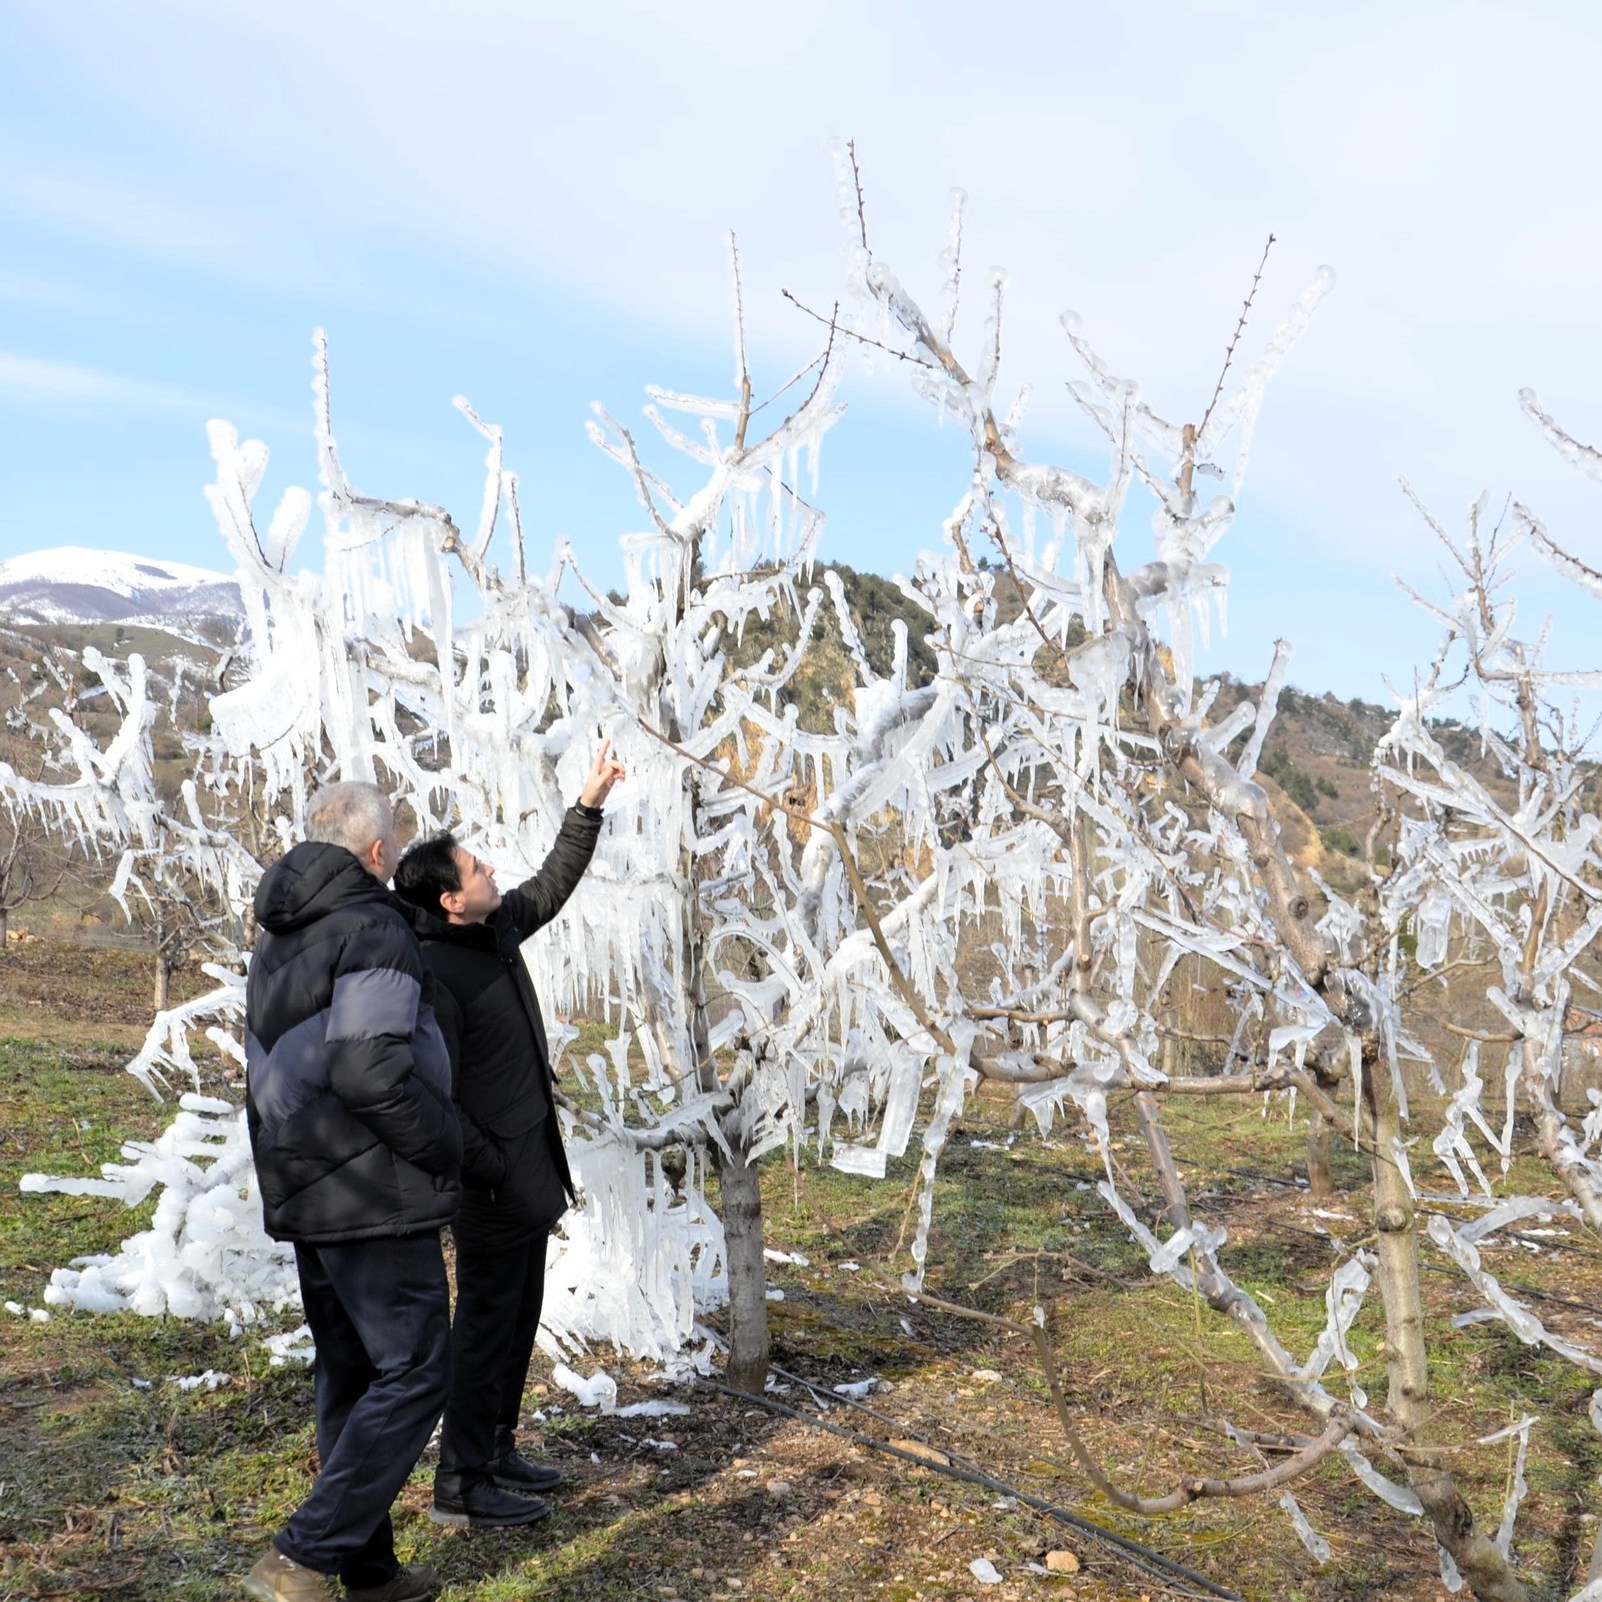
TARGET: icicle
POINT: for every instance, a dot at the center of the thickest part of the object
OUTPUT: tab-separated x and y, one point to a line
956	1080
1503	1541
1272	686
1450	1577
1343	1299
1309	1537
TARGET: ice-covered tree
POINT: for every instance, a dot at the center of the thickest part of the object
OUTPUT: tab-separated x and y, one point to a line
180	872
33	864
718	931
1102	839
1496	876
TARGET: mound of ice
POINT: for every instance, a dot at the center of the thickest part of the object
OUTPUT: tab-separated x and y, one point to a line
205	1254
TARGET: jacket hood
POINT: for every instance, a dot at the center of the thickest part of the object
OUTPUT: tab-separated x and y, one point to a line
311	881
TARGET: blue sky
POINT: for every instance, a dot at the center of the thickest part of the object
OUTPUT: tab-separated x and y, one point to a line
529	206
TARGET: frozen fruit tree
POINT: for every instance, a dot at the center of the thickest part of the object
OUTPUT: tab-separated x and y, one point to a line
1090	826
180	870
718	929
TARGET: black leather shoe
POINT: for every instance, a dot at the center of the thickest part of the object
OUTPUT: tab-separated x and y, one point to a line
516	1473
483	1504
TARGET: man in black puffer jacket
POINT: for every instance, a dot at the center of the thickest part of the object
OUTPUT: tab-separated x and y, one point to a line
515	1173
357	1149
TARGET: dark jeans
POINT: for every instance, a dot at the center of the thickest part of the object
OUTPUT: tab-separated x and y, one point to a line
379	1311
498	1297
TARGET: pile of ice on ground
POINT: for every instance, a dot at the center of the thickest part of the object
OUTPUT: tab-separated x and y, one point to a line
204	1254
630	1268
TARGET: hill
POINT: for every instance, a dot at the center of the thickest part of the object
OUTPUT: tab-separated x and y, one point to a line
72	586
183	620
55	604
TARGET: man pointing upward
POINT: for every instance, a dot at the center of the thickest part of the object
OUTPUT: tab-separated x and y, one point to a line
514	1172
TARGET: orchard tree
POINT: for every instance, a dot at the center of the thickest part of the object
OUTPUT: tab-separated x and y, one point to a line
717	930
33	864
1078	802
826	938
180	873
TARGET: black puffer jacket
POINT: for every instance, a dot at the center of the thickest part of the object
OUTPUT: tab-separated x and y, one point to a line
347	1077
515	1172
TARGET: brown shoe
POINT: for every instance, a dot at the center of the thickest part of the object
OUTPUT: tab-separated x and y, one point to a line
416	1582
276	1578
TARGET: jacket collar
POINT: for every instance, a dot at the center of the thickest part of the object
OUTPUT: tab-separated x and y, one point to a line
432	926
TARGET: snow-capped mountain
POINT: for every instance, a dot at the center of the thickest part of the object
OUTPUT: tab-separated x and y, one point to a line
71	585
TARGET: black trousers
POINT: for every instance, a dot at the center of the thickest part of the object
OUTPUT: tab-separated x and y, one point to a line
379	1311
498	1298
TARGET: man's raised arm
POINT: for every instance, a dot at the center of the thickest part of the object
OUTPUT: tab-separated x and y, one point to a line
538	899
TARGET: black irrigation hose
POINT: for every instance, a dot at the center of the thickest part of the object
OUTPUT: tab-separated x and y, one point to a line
1143	1557
834	1399
1523	1290
1547	1245
1251	1173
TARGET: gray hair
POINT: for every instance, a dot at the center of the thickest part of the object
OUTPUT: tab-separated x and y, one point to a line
352	814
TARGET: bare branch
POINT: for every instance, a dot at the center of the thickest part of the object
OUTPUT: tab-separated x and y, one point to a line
851	333
1234	339
856	178
742	374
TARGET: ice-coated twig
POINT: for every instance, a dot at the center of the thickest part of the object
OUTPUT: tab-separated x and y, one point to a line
1229	353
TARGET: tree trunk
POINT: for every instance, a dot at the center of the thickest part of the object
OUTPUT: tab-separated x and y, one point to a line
160	1001
1320	1180
5	929
1485	1571
749	1343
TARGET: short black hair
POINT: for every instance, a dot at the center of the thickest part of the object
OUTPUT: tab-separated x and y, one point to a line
428	871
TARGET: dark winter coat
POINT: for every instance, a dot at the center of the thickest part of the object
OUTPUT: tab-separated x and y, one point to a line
348	1085
515	1173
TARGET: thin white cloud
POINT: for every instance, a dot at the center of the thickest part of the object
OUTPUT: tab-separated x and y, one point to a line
32	289
34	378
209	236
37	380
